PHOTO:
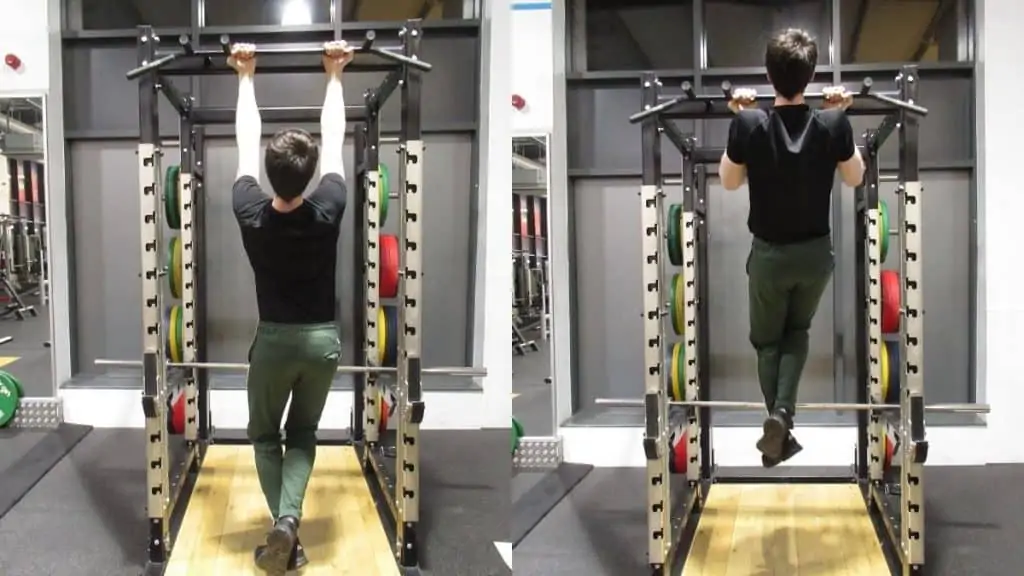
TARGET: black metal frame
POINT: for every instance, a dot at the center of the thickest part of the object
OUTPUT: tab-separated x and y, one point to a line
150	76
656	120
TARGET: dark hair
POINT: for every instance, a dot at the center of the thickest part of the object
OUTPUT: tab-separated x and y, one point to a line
290	161
790	57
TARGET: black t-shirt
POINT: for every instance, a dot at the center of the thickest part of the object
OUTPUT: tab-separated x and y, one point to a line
293	255
791	154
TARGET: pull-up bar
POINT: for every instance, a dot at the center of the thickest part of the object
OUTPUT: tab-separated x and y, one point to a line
189	55
669	109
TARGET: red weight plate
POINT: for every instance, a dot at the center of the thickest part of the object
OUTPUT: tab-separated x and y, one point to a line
178	414
679	453
388	266
890	302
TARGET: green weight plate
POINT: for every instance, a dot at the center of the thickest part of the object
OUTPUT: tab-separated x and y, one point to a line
517	433
14	382
384	187
172	208
883	228
676	306
9	398
675	234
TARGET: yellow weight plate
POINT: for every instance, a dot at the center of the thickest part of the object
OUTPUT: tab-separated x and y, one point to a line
175	333
176	271
677	392
885	371
382	335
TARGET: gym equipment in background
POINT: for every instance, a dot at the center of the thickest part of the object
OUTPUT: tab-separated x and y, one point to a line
677	455
676	363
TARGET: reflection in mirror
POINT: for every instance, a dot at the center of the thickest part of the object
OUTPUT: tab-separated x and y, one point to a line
532	399
24	303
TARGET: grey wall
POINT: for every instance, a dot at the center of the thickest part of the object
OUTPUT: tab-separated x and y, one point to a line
606	215
100	101
105	193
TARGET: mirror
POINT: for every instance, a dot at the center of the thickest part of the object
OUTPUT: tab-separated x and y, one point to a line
24	300
532	394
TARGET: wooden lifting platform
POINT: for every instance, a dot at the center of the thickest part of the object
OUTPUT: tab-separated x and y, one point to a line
227	518
785	529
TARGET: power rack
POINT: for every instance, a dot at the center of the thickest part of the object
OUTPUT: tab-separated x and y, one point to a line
395	487
893	495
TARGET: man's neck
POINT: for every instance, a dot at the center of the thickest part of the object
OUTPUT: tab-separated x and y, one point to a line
285	206
794	101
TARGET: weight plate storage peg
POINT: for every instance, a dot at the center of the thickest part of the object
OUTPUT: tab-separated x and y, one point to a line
883	228
677	372
890	282
388	265
391	349
676	306
9	398
172	208
892	388
384	188
675	234
517	433
174	270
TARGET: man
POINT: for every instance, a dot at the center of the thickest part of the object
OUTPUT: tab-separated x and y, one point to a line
789	155
292	245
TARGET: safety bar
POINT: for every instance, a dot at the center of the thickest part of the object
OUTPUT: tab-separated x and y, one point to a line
815	406
465	371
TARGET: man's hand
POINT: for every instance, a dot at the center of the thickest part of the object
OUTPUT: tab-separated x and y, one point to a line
337	55
742	99
243	59
836	97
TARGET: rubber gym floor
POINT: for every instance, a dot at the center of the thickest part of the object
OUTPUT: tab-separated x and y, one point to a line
974	515
73	502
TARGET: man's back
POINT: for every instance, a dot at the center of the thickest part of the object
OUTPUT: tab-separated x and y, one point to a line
791	153
293	254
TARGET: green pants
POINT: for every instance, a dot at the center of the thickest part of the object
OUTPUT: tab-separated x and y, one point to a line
785	285
297	361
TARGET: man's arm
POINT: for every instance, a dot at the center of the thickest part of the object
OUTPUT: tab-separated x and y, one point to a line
330	194
333	125
248	124
848	158
732	169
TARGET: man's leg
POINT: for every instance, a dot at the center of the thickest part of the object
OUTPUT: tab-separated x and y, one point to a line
323	350
269	383
768	299
768	290
816	263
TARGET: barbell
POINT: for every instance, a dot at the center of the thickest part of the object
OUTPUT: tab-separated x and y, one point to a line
813	406
463	371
